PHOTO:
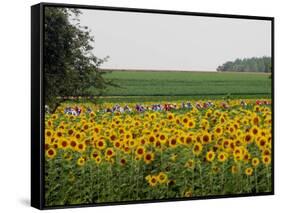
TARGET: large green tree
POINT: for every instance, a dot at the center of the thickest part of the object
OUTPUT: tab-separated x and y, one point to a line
70	68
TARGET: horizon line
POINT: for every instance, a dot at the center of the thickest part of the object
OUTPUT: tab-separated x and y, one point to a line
178	70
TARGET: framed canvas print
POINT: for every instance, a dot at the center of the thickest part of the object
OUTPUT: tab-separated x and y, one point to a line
136	105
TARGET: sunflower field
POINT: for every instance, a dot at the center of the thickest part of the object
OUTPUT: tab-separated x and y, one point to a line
98	156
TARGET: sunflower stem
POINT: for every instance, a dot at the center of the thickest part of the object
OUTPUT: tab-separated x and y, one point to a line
185	180
110	180
192	179
222	178
256	180
132	178
161	159
211	179
201	179
239	178
247	186
268	180
92	183
135	179
138	171
119	176
98	182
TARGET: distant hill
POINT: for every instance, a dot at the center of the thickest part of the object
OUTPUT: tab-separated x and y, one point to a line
254	64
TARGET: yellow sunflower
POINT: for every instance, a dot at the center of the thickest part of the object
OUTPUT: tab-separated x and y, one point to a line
173	142
185	121
170	116
262	142
51	153
254	131
117	144
162	178
234	169
190	164
249	171
101	144
222	157
98	159
94	154
81	161
162	138
140	151
148	157
197	149
248	138
81	147
210	156
188	140
48	133
255	162
152	180
206	137
63	144
218	131
112	137
255	120
266	159
109	152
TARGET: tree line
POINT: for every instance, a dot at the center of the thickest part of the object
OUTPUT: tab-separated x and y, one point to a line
254	64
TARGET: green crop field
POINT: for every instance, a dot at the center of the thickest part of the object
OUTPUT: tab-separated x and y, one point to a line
164	85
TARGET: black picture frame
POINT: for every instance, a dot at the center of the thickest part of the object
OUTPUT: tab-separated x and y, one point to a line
37	100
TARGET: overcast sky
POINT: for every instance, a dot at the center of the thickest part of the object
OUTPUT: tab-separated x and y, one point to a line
174	42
